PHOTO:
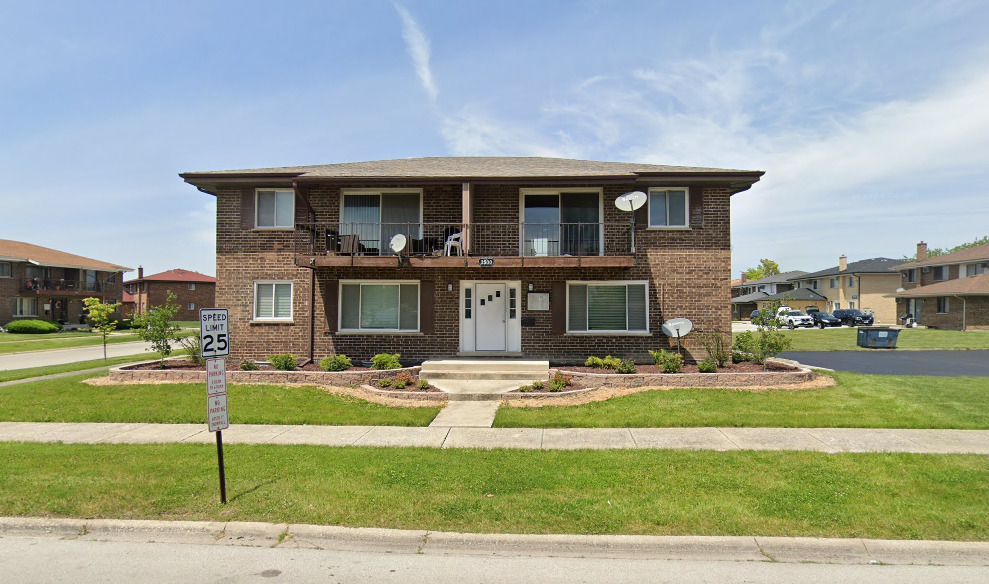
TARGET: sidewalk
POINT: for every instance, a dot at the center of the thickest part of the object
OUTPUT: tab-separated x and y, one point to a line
830	440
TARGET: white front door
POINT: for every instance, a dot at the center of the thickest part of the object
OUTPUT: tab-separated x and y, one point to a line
491	326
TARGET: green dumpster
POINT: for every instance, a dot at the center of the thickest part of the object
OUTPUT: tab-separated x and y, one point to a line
877	337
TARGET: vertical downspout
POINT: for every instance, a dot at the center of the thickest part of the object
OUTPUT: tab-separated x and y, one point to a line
312	272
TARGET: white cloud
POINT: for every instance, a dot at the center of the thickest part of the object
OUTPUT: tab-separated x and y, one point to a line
418	46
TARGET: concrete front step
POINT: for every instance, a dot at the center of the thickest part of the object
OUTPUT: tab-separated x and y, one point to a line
476	369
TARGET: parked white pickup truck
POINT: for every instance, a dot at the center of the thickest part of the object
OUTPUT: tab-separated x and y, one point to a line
793	318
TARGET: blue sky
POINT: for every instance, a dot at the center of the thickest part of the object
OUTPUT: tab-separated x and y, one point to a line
871	119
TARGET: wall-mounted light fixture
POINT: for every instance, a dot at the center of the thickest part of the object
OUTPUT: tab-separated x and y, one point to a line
449	287
530	287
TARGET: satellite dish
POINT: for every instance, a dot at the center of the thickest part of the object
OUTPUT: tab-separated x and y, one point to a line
631	201
398	243
677	327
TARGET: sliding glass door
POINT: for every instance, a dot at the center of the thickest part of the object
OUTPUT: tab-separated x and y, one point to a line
561	224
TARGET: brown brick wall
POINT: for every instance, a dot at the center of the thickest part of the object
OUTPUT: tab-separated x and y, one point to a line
65	303
156	293
688	271
976	313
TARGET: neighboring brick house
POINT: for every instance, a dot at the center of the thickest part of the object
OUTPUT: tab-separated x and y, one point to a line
499	256
950	291
47	284
865	284
192	291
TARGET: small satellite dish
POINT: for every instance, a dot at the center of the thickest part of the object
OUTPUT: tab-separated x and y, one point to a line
398	243
631	201
677	327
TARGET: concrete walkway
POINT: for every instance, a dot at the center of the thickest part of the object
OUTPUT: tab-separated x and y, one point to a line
831	440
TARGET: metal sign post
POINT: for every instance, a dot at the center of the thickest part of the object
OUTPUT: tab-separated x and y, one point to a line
215	344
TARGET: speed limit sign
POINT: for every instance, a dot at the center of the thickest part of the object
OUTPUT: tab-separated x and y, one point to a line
214	331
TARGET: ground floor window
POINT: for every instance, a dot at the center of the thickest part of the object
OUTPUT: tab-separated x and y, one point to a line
607	307
273	300
25	307
942	304
379	306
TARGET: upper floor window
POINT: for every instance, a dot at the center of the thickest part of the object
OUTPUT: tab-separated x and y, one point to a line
668	207
192	286
941	273
912	275
90	281
970	269
275	209
833	283
379	306
4	269
561	222
607	307
374	217
273	300
851	281
814	284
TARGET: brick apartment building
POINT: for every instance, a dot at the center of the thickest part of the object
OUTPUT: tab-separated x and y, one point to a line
950	291
496	256
48	284
192	291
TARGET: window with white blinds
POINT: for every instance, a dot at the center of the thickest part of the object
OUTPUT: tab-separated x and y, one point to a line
379	306
607	307
275	209
273	300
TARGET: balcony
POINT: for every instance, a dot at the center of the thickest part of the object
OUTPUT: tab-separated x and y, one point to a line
60	287
465	245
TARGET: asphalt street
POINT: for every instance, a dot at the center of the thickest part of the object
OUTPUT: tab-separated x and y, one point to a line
898	362
50	357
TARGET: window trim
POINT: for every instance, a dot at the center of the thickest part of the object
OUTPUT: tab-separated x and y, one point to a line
623	333
367	331
257	201
686	208
18	305
10	270
942	302
267	319
942	270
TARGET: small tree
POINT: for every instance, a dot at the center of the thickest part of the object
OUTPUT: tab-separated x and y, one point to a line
156	327
772	341
766	267
100	314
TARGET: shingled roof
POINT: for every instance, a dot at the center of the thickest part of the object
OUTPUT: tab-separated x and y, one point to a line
970	286
176	276
869	266
475	167
19	251
973	254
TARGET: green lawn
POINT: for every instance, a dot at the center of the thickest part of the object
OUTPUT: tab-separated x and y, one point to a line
68	400
14	374
858	401
845	339
896	496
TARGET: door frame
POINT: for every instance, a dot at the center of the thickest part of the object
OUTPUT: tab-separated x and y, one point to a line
513	326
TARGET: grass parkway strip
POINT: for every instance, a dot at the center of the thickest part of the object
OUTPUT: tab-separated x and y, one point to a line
889	496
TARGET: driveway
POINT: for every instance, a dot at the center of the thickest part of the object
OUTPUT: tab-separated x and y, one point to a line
898	362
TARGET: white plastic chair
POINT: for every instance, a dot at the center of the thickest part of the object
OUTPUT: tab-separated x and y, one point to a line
455	240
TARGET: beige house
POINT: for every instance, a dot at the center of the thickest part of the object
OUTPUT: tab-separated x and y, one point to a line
867	285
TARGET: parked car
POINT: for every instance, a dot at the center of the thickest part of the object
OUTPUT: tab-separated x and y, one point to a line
824	319
853	317
795	318
754	315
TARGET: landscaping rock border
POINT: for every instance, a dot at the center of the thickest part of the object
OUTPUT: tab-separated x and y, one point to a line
800	374
122	374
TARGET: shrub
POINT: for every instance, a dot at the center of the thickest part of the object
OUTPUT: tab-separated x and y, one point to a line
285	362
248	365
559	382
608	362
625	366
423	384
717	345
399	383
668	362
32	327
538	384
156	327
385	361
335	363
384	383
192	346
708	365
525	388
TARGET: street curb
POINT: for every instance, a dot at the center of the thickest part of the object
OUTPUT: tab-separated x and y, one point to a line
684	548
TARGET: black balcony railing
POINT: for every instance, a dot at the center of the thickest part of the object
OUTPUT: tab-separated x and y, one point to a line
61	285
457	239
